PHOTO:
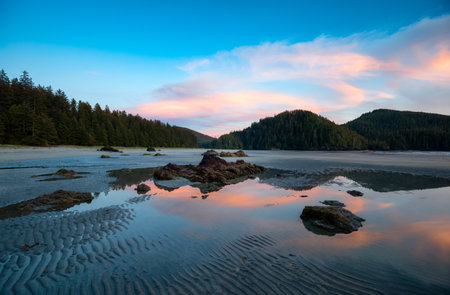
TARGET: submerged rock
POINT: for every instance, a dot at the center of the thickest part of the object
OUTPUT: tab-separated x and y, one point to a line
58	200
330	220
333	203
142	188
211	169
105	157
160	155
151	149
355	193
108	149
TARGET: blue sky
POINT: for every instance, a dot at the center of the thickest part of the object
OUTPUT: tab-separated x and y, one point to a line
216	66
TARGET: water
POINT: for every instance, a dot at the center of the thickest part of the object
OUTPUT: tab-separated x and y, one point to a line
245	238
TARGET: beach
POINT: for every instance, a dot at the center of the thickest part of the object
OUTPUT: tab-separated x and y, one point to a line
245	238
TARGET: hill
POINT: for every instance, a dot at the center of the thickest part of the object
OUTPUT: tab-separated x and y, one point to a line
292	130
37	115
403	130
202	139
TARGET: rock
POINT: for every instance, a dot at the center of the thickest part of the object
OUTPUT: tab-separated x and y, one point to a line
61	174
65	172
27	247
58	200
151	149
204	197
147	154
333	203
239	153
142	188
330	220
211	169
108	149
355	193
303	196
160	155
226	154
105	157
210	153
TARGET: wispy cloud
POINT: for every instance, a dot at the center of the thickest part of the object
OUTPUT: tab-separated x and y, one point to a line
348	76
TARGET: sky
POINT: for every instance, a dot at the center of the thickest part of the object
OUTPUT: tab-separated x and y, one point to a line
218	66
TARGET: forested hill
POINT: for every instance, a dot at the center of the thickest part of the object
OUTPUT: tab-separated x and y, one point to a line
403	130
36	115
292	130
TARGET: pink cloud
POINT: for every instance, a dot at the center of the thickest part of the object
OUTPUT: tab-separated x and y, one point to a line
340	76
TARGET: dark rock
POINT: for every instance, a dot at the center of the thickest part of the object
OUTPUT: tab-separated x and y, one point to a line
330	220
211	169
303	196
27	247
108	149
160	155
61	174
105	157
204	197
142	188
58	200
355	193
333	203
65	172
210	153
239	153
151	149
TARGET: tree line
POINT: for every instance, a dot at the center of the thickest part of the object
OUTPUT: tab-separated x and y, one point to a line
292	130
403	130
37	115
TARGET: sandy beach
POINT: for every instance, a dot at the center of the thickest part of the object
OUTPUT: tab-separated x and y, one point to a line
246	235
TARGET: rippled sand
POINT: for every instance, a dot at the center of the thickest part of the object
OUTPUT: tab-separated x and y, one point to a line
246	238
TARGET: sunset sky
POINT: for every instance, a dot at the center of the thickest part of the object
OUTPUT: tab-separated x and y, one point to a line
217	66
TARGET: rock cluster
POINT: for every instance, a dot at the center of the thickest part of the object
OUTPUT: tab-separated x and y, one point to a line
211	169
239	153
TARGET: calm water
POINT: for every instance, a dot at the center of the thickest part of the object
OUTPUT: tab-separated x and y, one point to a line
245	238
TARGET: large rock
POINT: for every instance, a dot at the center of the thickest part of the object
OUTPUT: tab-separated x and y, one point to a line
330	220
211	169
151	149
58	200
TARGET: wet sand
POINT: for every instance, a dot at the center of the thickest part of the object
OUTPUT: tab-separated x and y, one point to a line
245	239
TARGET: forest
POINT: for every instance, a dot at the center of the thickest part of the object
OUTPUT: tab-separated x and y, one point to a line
37	115
403	130
292	130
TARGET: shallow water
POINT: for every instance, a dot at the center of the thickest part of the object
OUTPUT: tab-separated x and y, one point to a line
245	238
